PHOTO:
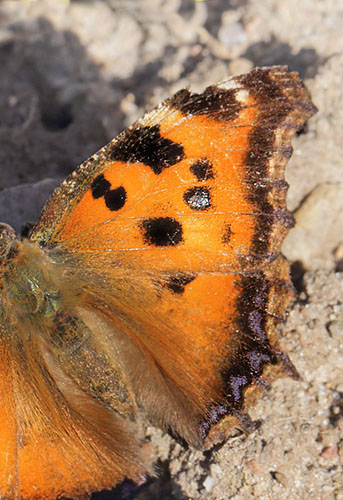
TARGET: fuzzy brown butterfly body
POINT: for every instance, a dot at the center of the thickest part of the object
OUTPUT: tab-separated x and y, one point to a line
152	285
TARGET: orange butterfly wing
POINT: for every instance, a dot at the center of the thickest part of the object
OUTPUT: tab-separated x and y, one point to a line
165	249
48	445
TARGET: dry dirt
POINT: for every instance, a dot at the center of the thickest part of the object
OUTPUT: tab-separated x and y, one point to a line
73	75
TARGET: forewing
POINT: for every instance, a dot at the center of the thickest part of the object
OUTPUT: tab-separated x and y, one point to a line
181	218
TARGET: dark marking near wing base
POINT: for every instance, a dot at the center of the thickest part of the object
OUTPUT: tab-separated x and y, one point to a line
162	231
227	234
147	145
198	198
177	282
202	169
114	198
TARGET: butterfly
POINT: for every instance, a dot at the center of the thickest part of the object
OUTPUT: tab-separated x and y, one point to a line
152	285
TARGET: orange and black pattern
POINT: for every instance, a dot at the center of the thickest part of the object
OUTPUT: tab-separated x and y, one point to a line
152	284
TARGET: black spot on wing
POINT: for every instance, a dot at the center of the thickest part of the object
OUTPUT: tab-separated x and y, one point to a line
100	186
217	103
198	198
114	198
176	283
147	145
202	169
162	231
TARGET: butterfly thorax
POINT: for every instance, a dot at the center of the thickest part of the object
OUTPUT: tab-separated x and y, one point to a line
38	303
26	285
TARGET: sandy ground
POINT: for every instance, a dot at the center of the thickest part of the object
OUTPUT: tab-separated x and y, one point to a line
73	76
